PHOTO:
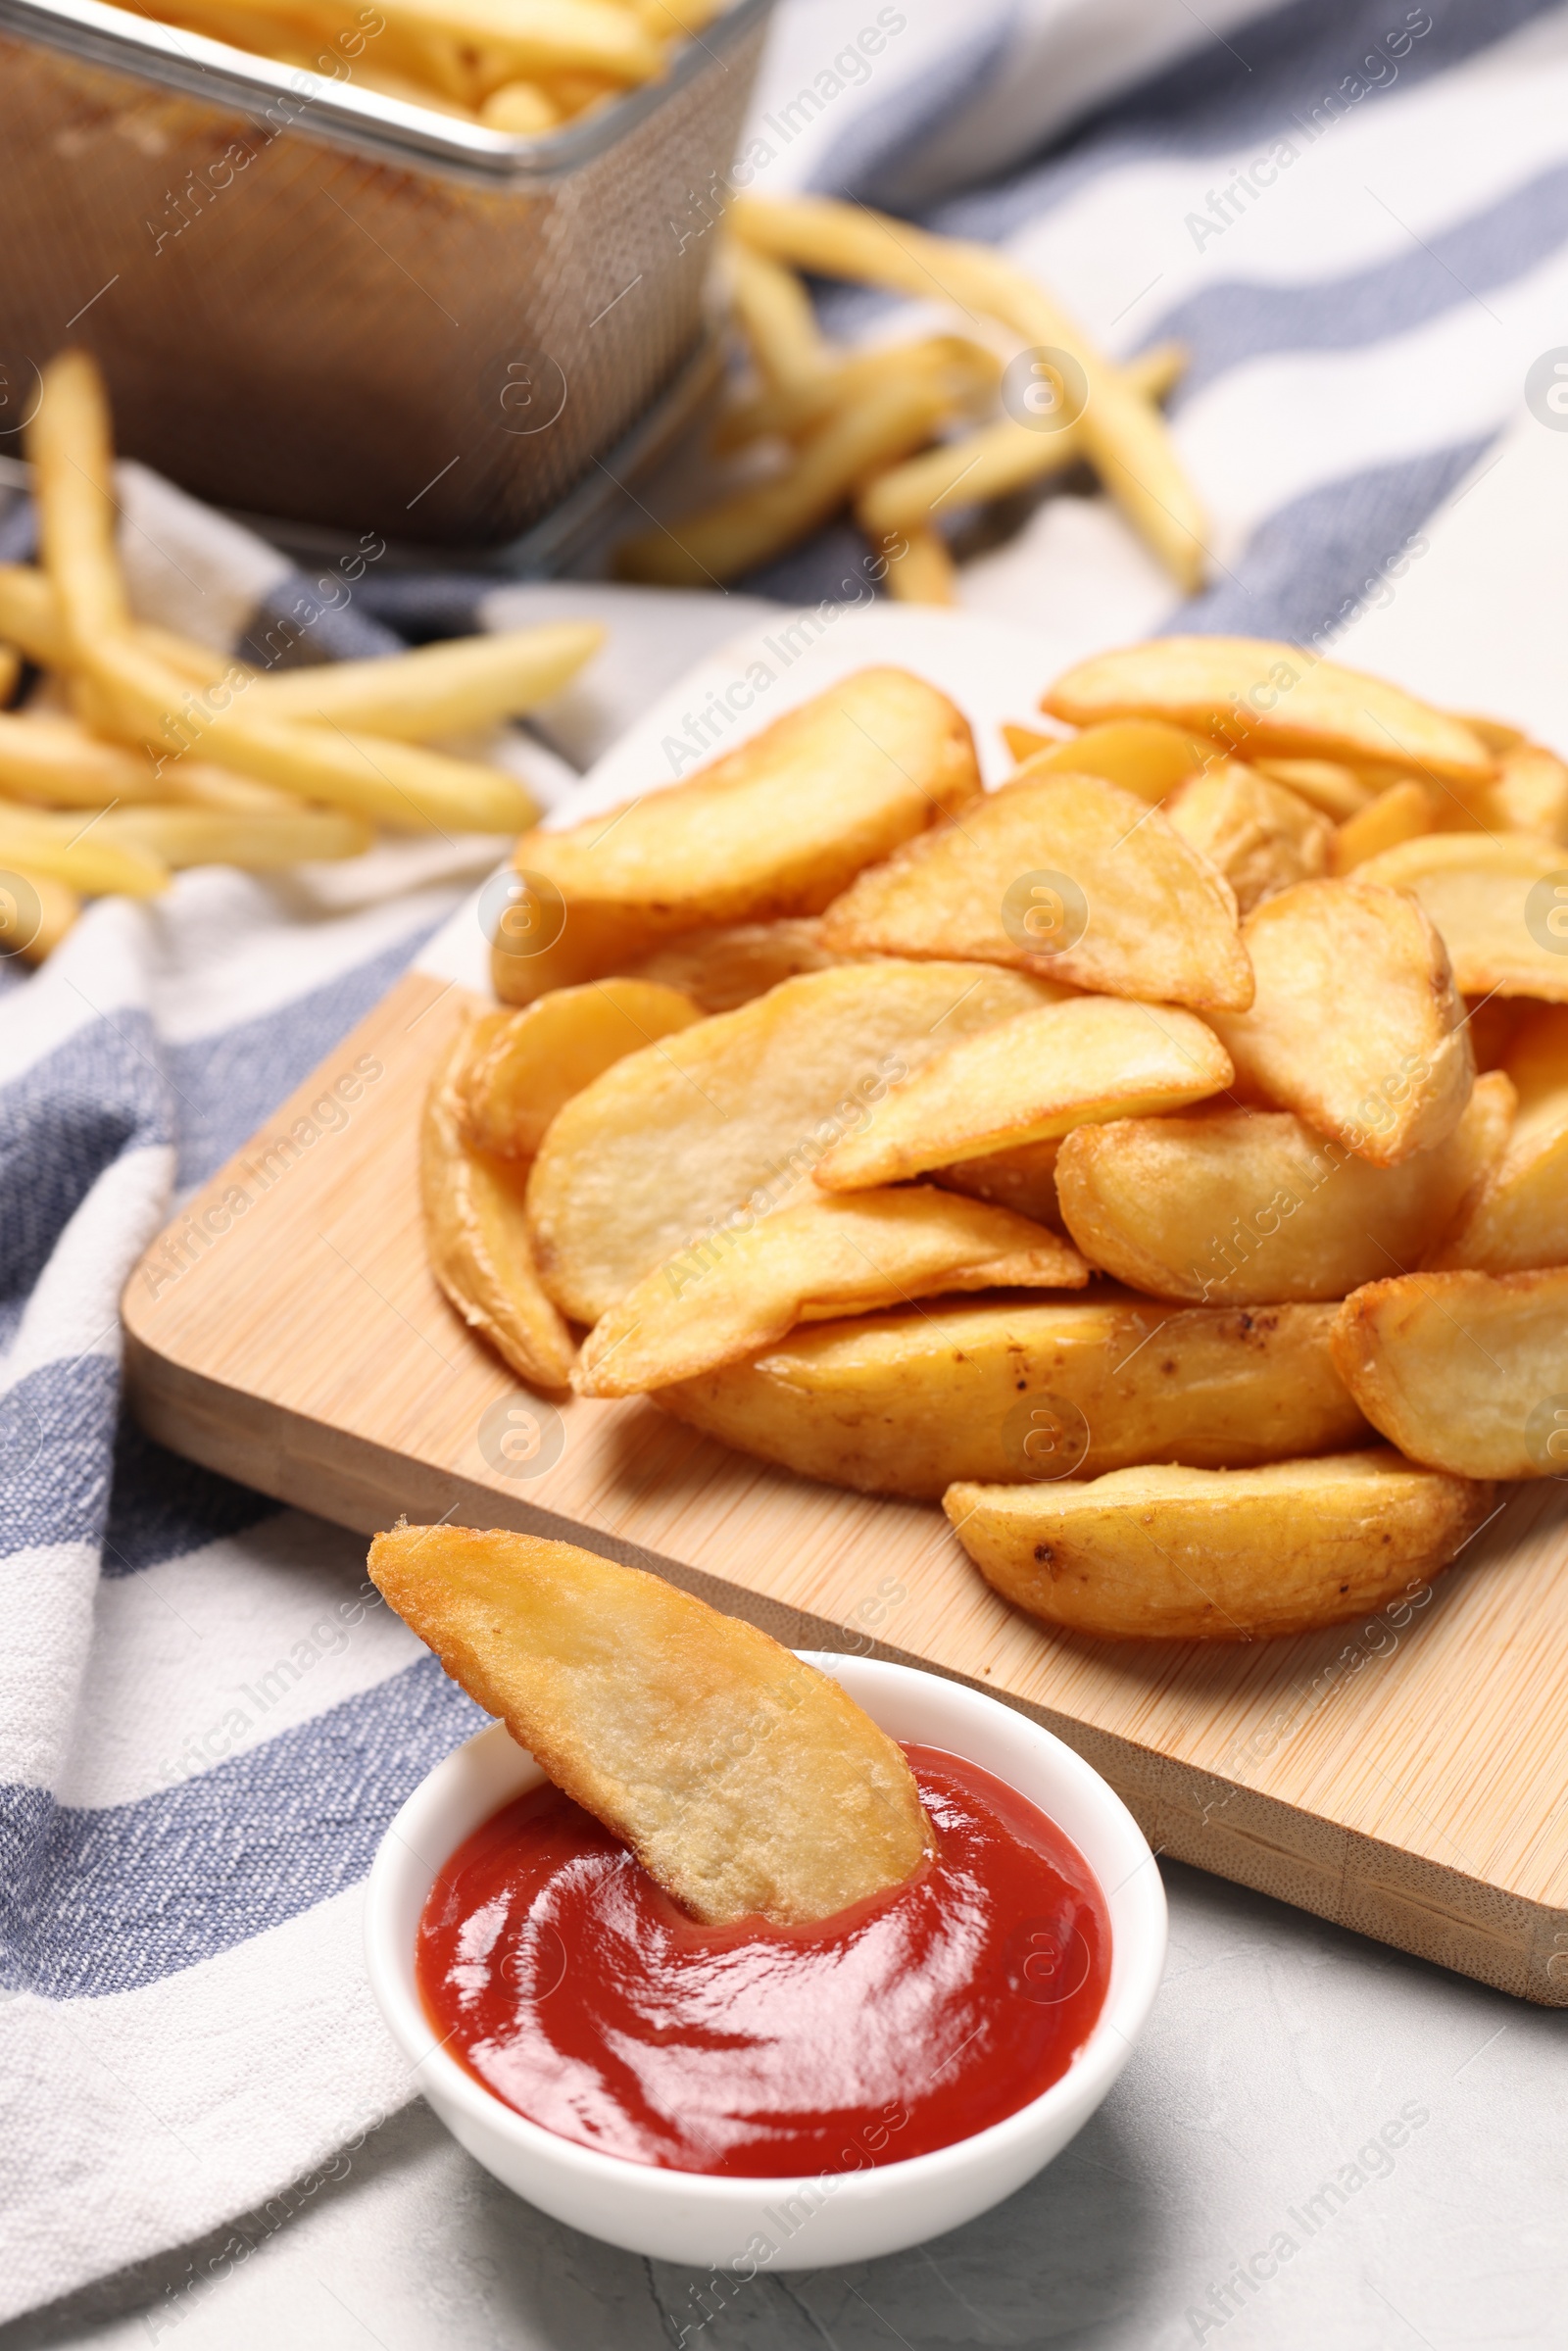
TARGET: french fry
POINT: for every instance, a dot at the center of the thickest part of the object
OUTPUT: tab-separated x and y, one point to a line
56	763
752	525
1124	436
476	1233
1198	1554
1498	902
907	1403
1259	834
1404	812
744	1779
520	1067
35	913
1028	1080
30	615
256	841
996	460
787	408
446	689
1252	1207
62	848
10	673
1061	874
1520	1220
920	569
70	443
1142	755
522	108
819	1260
774	828
1272	701
1467	1372
775	311
661	1161
513	39
1356	1024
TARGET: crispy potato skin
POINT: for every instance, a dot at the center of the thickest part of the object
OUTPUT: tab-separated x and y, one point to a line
1476	891
775	828
822	1257
1356	1024
1263	836
521	1067
746	1782
1250	1207
1466	1371
1518	1221
908	1402
1159	923
1183	1554
1269	700
1028	1079
476	1233
673	1143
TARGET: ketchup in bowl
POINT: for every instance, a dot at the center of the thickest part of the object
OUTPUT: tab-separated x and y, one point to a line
579	1993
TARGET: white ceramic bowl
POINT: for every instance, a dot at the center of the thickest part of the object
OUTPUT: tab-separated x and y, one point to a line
809	2223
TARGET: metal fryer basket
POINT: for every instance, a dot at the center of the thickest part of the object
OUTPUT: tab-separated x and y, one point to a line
312	301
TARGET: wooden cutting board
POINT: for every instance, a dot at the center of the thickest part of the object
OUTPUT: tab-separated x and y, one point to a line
1405	1775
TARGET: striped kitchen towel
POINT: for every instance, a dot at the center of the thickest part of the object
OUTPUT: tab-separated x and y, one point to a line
1356	216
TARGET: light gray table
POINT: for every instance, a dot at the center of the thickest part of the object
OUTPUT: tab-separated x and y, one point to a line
1279	2049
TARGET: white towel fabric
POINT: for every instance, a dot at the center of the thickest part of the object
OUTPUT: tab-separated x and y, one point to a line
205	1718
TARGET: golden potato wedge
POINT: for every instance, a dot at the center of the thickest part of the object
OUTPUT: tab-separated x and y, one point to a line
1062	875
476	1233
1269	700
907	1403
1356	1024
1465	1371
1500	903
1530	792
1249	1206
746	1782
1024	1179
1027	1080
723	1120
777	827
1261	835
821	1259
1334	790
1518	1219
1204	1554
721	970
1404	812
1142	755
521	1067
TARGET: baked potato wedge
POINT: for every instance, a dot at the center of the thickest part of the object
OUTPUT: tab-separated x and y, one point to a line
1467	1372
1008	1391
1199	1554
1500	903
745	1781
1356	1024
521	1067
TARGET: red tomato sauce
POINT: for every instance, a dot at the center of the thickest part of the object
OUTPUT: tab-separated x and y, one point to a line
579	1992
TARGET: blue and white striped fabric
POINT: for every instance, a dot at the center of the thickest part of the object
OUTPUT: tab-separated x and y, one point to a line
206	1718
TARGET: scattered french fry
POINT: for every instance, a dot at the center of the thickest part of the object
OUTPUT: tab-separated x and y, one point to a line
786	409
256	842
780	326
1124	436
995	460
919	568
446	689
66	849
